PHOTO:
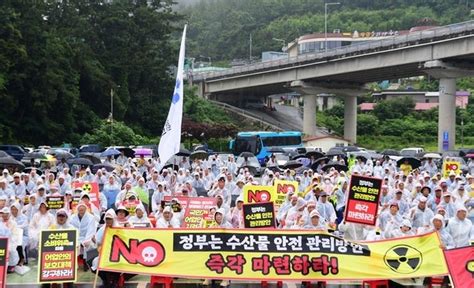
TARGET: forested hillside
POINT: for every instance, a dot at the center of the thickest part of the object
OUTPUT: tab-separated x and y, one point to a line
59	63
221	29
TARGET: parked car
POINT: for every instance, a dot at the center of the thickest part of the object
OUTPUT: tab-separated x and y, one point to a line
15	151
411	152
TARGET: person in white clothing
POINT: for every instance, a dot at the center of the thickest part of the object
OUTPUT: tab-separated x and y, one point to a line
459	227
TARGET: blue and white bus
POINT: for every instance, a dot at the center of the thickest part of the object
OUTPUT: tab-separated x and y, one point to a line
258	142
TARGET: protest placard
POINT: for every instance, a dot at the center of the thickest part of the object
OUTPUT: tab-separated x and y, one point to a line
363	200
57	256
196	209
55	202
259	215
91	188
3	261
258	193
449	166
282	188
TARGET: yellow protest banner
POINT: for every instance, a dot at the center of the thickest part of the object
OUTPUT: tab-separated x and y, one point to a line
449	166
282	188
268	255
258	193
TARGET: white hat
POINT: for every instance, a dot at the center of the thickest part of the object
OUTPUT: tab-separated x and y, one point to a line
461	208
167	209
423	199
5	210
406	223
438	217
314	213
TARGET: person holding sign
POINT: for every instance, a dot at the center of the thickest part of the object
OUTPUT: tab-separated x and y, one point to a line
86	225
15	238
167	219
22	223
140	219
314	223
41	221
326	209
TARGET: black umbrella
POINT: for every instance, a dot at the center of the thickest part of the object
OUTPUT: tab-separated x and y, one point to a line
11	162
28	170
335	153
80	161
183	152
316	154
62	155
415	163
339	167
173	166
200	154
350	149
94	159
275	150
292	164
128	152
246	154
4	154
252	170
274	168
107	166
315	165
390	152
35	155
299	156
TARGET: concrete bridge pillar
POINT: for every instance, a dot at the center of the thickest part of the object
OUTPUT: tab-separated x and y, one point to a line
309	115
447	114
350	118
447	73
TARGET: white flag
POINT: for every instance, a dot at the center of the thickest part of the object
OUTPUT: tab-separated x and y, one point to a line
170	141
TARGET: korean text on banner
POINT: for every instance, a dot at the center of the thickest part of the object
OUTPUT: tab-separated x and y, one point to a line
197	210
363	201
259	215
57	256
268	255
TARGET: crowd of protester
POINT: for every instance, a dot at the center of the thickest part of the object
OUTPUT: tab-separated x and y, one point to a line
412	201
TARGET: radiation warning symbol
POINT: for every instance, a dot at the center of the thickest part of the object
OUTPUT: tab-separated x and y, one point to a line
403	259
87	187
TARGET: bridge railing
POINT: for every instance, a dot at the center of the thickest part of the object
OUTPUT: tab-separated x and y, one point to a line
410	39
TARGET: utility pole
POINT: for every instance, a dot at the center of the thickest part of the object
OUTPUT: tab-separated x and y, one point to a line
250	48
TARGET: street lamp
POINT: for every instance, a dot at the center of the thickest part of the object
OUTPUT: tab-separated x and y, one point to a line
281	41
326	23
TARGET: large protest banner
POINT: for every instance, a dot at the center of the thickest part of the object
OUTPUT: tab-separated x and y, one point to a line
267	255
91	188
363	200
259	215
282	188
461	266
258	193
57	256
196	211
3	261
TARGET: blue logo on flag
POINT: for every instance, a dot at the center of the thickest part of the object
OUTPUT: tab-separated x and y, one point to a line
176	95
